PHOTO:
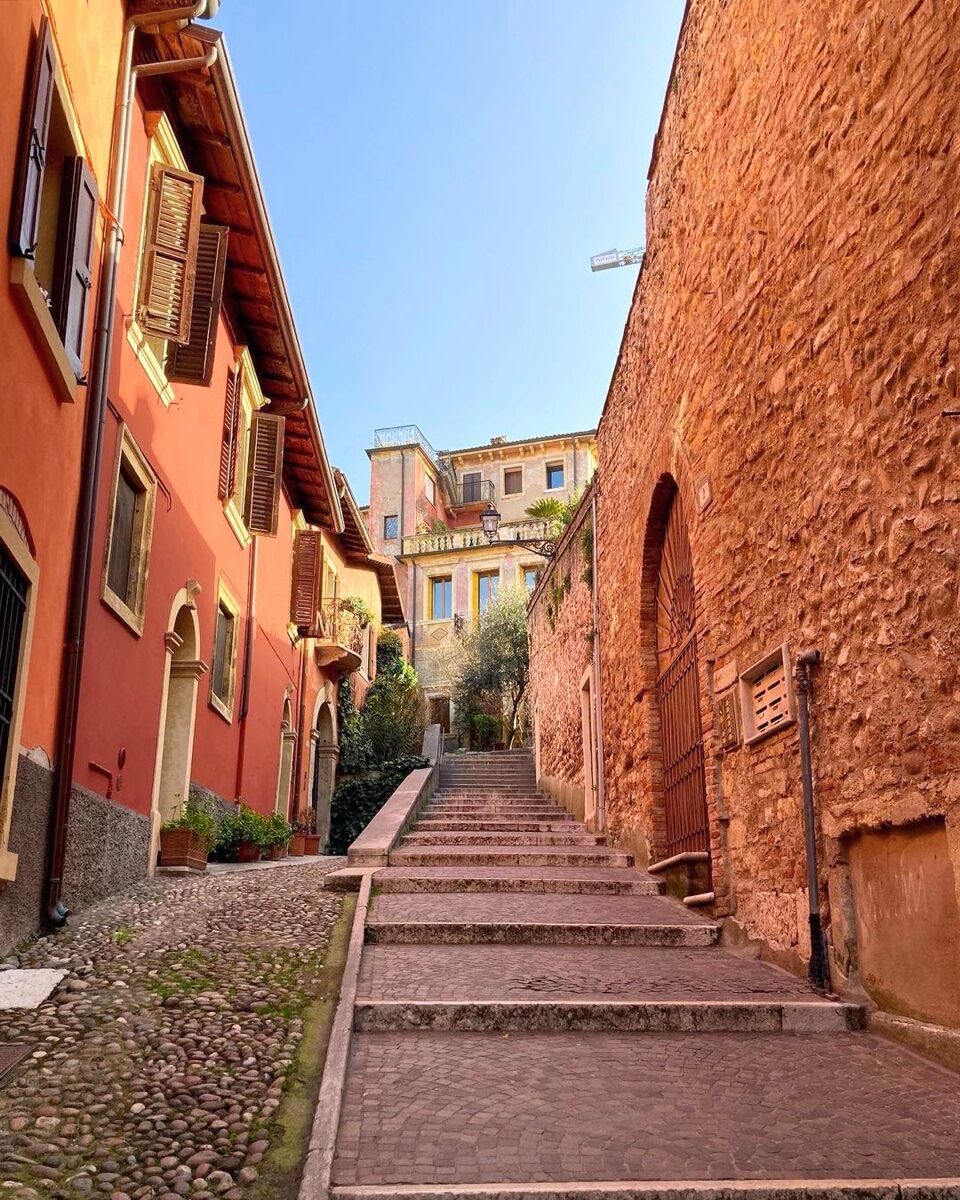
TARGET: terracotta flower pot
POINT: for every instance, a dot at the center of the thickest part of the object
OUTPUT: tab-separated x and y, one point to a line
275	853
248	852
182	848
295	847
311	843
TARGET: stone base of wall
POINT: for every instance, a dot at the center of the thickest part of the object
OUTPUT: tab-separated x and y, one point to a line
21	900
107	849
570	795
934	1041
738	937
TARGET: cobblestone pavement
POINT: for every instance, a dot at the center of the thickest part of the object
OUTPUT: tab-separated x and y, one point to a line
159	1063
568	973
476	1107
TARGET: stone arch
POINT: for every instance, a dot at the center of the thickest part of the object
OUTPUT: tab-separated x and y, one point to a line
323	764
178	711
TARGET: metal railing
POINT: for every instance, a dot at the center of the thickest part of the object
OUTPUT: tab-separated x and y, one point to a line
341	626
403	435
467	539
473	491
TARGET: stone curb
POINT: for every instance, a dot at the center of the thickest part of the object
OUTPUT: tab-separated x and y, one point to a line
508	857
719	1189
624	1016
540	933
315	1184
503	837
373	845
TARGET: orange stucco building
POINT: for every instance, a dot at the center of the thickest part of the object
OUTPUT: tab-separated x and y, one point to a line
206	590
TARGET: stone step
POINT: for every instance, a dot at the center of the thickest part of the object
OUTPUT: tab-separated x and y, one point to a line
493	919
712	1116
580	881
511	856
599	1016
493	825
554	988
439	837
496	808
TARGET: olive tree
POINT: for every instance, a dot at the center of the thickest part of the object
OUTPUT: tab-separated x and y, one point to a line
491	663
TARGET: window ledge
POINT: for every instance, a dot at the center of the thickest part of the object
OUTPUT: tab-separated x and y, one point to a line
137	340
34	307
235	521
220	708
120	609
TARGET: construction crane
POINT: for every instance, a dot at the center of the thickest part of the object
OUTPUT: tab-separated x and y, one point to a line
616	258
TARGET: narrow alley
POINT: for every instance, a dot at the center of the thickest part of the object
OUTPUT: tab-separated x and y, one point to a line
534	1018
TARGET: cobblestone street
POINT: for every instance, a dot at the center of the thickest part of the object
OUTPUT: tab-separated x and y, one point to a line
158	1064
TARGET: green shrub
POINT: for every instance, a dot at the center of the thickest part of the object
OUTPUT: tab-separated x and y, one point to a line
276	832
389	651
244	825
485	731
354	746
356	802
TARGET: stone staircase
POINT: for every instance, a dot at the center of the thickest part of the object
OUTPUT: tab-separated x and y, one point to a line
534	1019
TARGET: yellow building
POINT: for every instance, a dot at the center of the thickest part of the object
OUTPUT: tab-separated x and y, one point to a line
425	510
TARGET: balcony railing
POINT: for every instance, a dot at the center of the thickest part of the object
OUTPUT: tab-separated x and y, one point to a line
403	435
340	636
473	491
467	539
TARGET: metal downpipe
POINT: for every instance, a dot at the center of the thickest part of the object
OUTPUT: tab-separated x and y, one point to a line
818	970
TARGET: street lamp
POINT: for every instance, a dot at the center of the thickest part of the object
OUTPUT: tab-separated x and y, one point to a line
490	520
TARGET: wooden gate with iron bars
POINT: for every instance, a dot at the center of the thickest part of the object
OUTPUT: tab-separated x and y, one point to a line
678	693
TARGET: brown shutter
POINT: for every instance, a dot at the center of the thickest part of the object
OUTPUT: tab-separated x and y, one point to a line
307	565
229	446
78	211
193	362
170	253
25	213
264	468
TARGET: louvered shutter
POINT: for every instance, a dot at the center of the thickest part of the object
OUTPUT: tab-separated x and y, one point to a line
192	362
264	467
305	597
229	445
25	213
78	211
170	253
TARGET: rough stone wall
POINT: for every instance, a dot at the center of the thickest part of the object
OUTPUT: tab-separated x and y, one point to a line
790	350
561	623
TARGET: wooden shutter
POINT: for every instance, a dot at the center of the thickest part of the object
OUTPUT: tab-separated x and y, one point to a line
170	253
307	566
230	443
72	281
264	468
25	213
192	362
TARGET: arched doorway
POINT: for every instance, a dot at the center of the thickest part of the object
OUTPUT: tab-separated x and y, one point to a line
288	742
686	824
178	709
326	753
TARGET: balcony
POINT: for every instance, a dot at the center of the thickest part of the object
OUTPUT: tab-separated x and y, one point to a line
472	538
339	638
472	493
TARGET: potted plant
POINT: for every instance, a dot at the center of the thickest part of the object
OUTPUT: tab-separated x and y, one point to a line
311	839
297	840
242	836
277	832
185	840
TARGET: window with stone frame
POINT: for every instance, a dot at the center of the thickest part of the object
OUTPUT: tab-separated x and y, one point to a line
132	502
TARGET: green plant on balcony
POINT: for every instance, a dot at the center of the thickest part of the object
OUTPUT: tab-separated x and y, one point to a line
360	609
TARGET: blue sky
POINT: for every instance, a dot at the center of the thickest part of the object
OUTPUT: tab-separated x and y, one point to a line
438	175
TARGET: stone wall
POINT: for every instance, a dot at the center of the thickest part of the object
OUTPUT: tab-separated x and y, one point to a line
561	624
789	352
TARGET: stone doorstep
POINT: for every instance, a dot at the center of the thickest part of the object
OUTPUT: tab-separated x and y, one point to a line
678	1189
516	884
505	857
624	1016
503	837
539	933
